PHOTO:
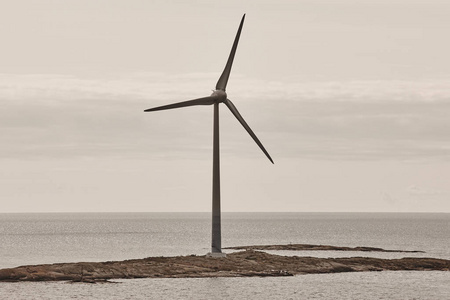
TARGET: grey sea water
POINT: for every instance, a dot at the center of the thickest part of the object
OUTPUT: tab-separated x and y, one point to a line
49	238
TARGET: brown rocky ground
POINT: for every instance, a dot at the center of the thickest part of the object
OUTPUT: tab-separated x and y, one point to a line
238	264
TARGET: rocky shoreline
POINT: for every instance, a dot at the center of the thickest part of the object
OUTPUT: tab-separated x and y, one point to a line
238	264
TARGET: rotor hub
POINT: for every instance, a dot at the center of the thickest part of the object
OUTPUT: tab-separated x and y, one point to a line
220	95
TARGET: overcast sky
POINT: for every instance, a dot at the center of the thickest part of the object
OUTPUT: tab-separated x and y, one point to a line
351	98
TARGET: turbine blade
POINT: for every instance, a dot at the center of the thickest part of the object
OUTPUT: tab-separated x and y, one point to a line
242	121
200	101
222	83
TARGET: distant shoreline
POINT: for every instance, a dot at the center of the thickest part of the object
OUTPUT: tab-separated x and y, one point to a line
248	263
308	247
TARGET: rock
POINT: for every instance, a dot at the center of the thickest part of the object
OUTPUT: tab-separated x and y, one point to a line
308	247
239	264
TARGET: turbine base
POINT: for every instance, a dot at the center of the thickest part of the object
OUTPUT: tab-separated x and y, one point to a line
216	254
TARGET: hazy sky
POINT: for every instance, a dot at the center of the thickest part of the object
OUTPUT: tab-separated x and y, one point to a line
350	98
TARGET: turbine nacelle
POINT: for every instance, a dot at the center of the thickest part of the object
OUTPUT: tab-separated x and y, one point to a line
219	96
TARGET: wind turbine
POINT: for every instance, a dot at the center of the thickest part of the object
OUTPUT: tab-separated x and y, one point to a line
218	96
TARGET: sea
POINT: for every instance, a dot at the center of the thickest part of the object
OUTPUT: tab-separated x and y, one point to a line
28	239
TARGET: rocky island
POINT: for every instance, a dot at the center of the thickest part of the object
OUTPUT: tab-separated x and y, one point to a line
238	264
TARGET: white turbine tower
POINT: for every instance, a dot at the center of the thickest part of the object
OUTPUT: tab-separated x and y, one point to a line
218	96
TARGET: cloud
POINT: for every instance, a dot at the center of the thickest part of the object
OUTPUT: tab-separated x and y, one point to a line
56	115
52	115
419	191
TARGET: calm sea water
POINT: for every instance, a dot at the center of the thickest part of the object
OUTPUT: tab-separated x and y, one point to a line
49	238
